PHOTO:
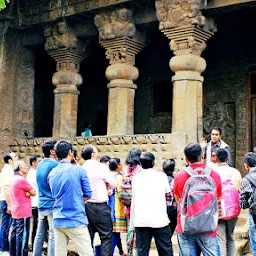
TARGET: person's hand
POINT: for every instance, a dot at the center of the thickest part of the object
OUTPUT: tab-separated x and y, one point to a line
203	143
28	194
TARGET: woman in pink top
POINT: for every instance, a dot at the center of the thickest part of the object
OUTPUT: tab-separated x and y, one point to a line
132	168
21	210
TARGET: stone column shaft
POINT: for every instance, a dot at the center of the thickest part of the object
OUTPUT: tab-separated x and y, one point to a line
121	108
117	36
68	52
188	30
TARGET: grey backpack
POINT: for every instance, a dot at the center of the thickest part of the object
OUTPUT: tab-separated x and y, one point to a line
199	205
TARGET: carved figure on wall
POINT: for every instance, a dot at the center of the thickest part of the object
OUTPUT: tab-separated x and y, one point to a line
217	115
173	13
115	24
119	56
59	36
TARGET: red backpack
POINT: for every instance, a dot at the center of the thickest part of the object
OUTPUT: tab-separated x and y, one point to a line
199	205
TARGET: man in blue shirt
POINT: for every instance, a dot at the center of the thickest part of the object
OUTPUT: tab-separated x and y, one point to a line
46	201
70	189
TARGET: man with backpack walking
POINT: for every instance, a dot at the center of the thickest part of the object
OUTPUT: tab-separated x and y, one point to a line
230	208
248	196
197	190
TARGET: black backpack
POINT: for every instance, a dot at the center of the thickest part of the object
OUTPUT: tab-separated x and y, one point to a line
252	181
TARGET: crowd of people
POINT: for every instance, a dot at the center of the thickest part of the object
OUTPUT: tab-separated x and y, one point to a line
57	200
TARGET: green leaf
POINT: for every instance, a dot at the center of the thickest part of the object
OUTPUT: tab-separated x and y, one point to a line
2	4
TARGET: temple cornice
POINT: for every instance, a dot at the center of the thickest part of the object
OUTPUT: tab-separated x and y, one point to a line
35	12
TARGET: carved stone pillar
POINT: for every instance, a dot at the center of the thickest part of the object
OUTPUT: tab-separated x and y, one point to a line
68	52
117	36
183	23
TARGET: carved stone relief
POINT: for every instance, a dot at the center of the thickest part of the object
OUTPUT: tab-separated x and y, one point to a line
24	107
115	24
225	106
163	146
59	36
176	13
34	11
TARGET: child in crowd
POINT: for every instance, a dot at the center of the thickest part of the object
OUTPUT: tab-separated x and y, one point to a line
117	207
168	168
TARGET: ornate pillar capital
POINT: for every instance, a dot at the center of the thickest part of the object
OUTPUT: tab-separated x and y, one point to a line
183	23
117	34
62	45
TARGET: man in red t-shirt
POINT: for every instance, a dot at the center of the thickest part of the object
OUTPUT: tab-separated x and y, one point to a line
21	210
192	245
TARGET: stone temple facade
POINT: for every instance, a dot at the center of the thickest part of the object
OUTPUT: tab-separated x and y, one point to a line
154	74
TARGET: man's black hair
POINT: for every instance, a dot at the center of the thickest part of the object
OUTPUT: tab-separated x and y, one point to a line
33	158
193	152
133	157
48	146
169	166
104	159
113	163
7	157
62	148
147	160
222	155
87	152
250	159
75	153
217	129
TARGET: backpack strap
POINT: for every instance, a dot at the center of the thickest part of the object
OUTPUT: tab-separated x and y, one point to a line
251	179
207	171
191	172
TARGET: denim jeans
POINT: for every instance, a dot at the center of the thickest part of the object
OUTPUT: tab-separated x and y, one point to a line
5	227
45	219
252	234
193	245
19	237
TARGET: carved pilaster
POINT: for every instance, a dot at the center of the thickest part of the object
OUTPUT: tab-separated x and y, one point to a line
183	23
62	44
117	34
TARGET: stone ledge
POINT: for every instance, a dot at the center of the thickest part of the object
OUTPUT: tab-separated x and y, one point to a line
163	146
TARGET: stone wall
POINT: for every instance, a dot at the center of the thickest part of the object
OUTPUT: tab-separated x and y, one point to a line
8	48
163	146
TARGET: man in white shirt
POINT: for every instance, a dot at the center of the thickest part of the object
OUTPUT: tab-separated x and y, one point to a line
148	210
31	178
7	174
97	210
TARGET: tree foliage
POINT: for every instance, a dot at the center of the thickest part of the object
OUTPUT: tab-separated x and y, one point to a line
3	4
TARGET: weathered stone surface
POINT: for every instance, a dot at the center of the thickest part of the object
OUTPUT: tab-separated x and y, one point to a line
115	24
117	36
62	44
179	13
16	88
183	23
163	146
33	12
